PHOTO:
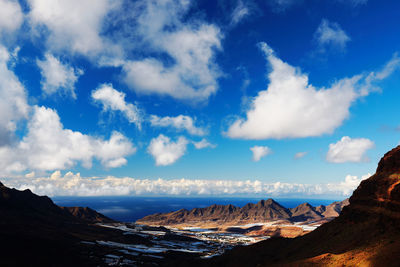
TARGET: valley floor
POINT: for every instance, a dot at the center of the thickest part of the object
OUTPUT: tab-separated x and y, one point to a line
192	241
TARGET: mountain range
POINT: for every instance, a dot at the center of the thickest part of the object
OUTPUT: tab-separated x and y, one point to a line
263	211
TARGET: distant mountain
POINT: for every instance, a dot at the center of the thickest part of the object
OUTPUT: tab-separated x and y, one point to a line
87	214
366	233
305	212
263	211
332	210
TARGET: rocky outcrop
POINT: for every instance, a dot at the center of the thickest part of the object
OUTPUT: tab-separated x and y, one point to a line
381	192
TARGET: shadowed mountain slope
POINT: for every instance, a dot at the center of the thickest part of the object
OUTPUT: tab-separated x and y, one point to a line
36	232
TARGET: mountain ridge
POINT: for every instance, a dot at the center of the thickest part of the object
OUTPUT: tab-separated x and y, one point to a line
262	211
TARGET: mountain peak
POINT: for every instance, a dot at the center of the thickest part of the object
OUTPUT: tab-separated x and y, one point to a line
390	163
267	202
382	190
305	204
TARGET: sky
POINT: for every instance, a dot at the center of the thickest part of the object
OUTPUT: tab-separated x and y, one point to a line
197	98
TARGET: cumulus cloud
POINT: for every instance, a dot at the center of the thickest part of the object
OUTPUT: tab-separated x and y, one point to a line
114	100
292	108
300	155
351	182
72	25
260	152
190	72
203	143
74	185
48	146
330	34
181	122
165	151
349	150
13	100
58	76
11	16
239	13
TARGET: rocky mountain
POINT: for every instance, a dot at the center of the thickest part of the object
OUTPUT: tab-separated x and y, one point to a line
263	211
304	212
332	210
366	233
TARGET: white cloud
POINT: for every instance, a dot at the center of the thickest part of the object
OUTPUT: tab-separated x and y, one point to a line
203	143
300	155
114	100
349	150
330	34
13	100
11	16
74	185
260	152
293	108
382	74
48	146
239	13
58	76
190	72
351	182
181	122
165	151
72	25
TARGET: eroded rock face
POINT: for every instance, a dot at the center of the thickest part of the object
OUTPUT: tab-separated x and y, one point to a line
381	192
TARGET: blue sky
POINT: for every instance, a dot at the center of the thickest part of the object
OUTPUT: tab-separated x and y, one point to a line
282	98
